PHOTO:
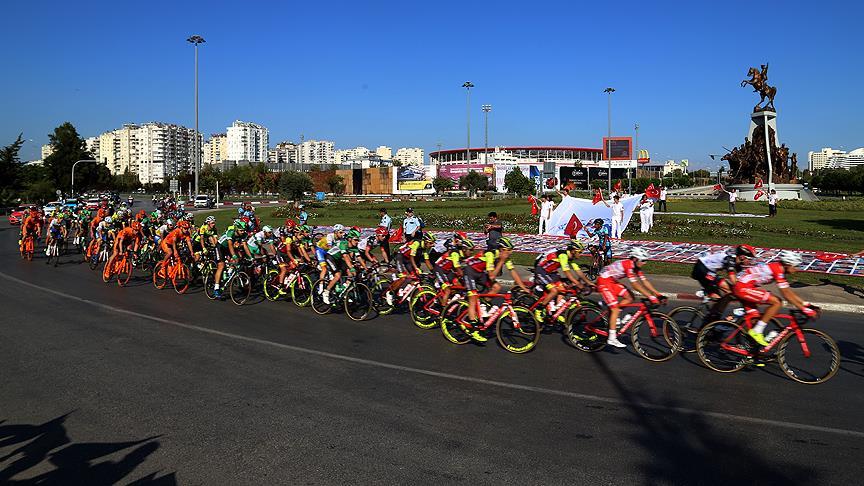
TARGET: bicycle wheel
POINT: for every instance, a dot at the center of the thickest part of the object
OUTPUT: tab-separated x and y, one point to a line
209	289
358	302
93	262
517	331
301	290
451	329
379	289
240	288
723	346
689	320
579	330
159	276
181	279
424	308
272	285
124	273
811	359
318	304
657	340
108	269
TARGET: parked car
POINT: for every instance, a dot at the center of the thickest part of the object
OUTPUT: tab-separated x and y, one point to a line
16	216
93	203
203	201
49	208
71	203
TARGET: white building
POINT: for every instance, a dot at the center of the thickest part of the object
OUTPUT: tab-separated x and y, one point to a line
153	151
247	141
347	155
215	150
47	150
283	153
409	156
92	144
845	160
384	152
821	159
317	152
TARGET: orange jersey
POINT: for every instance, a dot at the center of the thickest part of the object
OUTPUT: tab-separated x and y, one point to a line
30	222
175	236
127	234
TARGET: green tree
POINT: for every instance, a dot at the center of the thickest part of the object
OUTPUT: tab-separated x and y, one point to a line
10	171
517	182
293	184
125	182
69	148
473	182
336	184
442	184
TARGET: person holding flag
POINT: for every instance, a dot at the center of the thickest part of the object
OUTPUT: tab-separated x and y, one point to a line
617	216
546	209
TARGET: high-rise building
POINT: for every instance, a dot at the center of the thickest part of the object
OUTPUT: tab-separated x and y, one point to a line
215	150
283	153
92	144
154	151
845	160
317	152
247	141
47	150
343	156
409	156
821	159
384	152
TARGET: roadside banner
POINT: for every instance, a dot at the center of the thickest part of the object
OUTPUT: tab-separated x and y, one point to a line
575	213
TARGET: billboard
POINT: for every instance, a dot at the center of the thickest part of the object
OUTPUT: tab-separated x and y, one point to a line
617	148
455	171
413	179
581	177
501	171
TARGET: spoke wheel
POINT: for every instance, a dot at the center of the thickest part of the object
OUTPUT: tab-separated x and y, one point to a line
689	320
181	278
517	331
421	308
660	342
451	330
358	302
272	285
579	331
209	289
318	304
240	288
714	341
817	366
381	287
301	290
124	273
159	277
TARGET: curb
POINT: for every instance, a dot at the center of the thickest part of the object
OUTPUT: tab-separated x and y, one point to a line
826	306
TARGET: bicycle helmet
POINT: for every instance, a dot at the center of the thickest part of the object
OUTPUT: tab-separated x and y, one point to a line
381	231
210	219
467	244
107	220
575	244
504	243
189	216
241	225
338	227
353	234
639	253
169	222
183	224
791	258
429	237
267	229
290	223
745	250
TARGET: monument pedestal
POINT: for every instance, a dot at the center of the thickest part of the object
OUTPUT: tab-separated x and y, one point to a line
784	191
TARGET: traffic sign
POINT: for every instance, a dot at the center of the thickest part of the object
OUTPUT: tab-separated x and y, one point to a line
174	185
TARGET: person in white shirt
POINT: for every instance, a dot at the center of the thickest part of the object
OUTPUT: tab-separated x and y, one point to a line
772	203
617	216
547	206
733	196
646	207
662	199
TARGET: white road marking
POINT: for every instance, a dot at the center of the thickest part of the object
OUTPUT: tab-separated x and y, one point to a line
439	374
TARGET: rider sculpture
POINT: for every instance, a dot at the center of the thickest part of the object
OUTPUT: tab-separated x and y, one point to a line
759	81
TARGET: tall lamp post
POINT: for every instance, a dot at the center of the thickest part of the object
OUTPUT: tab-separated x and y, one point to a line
195	40
486	109
468	85
609	92
73	172
636	151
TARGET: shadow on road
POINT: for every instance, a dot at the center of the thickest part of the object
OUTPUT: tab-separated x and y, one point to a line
852	358
684	447
25	448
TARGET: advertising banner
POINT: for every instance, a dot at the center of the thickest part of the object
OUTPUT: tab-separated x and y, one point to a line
455	171
501	170
413	179
573	214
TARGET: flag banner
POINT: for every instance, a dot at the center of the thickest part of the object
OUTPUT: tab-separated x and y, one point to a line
666	251
586	211
534	208
598	196
758	184
617	186
396	236
758	194
718	187
652	191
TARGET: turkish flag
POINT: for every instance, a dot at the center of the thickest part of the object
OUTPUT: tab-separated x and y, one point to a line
830	257
758	195
396	237
573	226
718	187
617	186
652	191
534	208
598	196
758	185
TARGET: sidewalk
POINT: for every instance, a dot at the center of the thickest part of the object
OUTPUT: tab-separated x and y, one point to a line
828	296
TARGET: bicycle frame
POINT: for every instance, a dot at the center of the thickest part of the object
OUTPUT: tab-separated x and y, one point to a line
793	326
486	322
642	311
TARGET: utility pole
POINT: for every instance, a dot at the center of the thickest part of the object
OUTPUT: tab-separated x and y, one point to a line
486	110
609	92
196	157
636	151
468	85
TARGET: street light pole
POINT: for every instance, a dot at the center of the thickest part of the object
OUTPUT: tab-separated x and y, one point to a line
486	110
468	85
636	150
609	92
195	40
73	172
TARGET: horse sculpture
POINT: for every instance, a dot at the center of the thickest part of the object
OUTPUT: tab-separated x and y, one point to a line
758	80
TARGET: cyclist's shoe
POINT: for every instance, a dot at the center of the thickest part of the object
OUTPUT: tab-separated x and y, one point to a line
615	342
539	315
217	294
475	335
561	319
325	296
388	297
758	337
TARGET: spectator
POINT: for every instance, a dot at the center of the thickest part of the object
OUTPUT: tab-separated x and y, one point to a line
494	230
546	209
733	196
386	222
411	226
662	200
772	203
617	216
303	217
645	207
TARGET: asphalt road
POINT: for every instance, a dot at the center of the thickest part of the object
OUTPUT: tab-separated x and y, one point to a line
103	385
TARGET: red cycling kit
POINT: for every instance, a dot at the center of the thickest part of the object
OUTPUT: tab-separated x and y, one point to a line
747	287
607	282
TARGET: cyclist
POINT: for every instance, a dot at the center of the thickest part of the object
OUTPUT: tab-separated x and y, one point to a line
707	271
130	235
546	273
604	241
31	225
56	230
339	259
481	270
747	290
406	262
378	240
170	241
234	237
260	244
448	266
615	294
164	230
207	236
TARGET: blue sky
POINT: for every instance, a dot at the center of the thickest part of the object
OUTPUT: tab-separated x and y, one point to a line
381	72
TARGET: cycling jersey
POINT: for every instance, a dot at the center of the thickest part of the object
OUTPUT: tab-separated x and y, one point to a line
721	260
554	260
763	274
342	248
204	233
174	237
485	262
449	261
230	236
620	269
127	235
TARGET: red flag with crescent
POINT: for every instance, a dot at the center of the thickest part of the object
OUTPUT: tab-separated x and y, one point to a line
598	196
718	187
652	191
759	194
573	226
758	184
617	186
830	257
